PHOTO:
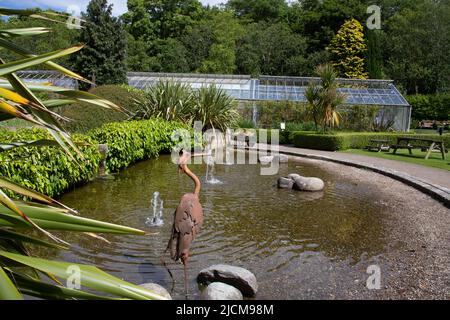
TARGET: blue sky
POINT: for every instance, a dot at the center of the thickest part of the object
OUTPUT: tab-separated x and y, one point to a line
120	6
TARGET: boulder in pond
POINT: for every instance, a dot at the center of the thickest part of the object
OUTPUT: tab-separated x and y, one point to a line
285	183
308	184
237	277
156	288
221	291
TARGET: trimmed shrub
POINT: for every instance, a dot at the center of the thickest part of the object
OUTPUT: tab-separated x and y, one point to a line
87	117
344	141
48	170
132	141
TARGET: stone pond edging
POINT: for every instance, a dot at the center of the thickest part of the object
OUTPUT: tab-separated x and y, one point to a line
437	192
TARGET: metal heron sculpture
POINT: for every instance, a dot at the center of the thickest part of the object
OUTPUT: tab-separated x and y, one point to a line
188	220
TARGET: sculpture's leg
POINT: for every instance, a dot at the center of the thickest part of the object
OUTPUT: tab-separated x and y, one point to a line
185	279
168	270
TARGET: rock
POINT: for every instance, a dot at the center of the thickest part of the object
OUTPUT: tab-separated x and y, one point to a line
221	291
294	176
285	183
308	184
237	277
156	288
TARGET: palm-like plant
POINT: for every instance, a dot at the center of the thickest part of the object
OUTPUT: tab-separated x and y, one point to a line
20	273
215	109
324	99
167	100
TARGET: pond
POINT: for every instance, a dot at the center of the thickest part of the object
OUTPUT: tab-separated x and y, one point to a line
299	245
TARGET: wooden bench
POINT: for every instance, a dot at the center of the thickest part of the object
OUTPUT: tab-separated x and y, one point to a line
428	145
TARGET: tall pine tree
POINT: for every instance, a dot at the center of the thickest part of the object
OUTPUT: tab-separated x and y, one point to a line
103	58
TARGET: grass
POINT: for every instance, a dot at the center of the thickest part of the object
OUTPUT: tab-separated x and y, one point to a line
417	157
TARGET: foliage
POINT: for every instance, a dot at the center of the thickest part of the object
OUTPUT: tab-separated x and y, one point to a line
319	20
276	38
222	52
348	49
272	113
61	37
215	109
175	101
430	107
167	100
103	58
48	170
354	140
358	118
85	117
132	141
324	100
416	46
271	49
19	272
374	54
258	10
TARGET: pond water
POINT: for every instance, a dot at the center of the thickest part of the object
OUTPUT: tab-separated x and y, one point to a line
299	245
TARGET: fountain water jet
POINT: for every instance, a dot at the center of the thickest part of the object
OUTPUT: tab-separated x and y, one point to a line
158	208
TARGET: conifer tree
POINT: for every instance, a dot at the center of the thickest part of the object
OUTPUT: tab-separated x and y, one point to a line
348	49
103	58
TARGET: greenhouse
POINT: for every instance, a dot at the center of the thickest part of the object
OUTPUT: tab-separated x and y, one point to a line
382	93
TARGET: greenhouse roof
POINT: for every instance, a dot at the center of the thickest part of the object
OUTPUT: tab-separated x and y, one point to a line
358	92
244	87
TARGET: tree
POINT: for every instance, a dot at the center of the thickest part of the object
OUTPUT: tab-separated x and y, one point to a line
319	20
374	55
259	10
161	19
271	49
103	58
323	99
222	53
417	46
348	48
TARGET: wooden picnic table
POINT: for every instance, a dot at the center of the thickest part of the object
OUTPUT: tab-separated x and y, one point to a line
429	145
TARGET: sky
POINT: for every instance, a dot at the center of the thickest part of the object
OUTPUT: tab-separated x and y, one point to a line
120	6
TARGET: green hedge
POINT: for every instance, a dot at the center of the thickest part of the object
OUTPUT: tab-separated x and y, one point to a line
344	141
46	169
132	141
50	171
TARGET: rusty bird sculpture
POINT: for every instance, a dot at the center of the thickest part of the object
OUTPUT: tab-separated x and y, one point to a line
188	219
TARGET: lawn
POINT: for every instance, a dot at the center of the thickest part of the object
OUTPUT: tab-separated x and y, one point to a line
417	157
